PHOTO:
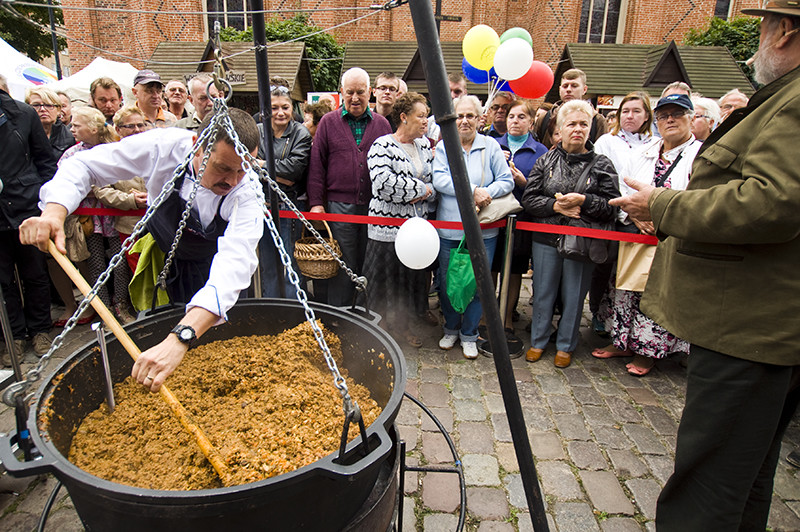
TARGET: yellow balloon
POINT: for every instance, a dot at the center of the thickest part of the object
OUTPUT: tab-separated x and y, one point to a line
479	46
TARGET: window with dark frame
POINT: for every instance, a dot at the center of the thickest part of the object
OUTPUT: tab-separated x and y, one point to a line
599	21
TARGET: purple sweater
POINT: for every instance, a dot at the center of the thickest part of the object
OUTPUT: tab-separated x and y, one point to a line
338	169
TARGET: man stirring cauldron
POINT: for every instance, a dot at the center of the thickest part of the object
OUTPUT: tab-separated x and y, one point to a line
216	255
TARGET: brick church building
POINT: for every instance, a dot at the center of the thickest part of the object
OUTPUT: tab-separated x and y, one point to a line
136	31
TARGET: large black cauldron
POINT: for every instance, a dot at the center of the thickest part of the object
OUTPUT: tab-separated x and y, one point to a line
324	495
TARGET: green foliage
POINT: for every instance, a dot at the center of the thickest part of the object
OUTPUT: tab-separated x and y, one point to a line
26	37
739	35
320	46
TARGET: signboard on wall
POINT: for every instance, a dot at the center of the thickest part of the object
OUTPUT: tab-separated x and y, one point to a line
333	97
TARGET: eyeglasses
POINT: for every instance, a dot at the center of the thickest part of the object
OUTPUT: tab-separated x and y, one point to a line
662	117
278	89
44	106
496	107
468	116
131	127
701	116
385	88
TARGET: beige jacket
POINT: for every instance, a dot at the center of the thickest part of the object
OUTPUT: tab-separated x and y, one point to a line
119	196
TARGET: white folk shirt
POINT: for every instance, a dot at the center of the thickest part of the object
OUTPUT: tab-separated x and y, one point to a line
154	155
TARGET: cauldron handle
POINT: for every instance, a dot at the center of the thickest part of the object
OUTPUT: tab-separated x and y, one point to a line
18	469
385	445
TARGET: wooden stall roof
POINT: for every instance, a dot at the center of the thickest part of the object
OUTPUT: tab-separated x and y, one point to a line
617	69
401	58
285	60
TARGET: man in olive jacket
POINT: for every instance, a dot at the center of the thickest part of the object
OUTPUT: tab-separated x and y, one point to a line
726	279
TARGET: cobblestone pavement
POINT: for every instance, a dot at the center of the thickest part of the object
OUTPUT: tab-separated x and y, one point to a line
603	443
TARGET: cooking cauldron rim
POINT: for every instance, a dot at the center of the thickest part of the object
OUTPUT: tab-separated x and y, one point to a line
380	442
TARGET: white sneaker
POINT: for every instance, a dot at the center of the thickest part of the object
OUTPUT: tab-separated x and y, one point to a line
470	350
448	341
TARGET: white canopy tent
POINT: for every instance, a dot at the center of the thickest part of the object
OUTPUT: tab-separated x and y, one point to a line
22	72
77	85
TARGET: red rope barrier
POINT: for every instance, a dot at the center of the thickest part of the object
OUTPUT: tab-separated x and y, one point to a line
380	220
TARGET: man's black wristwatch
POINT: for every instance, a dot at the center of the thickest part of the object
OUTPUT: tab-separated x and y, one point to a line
185	334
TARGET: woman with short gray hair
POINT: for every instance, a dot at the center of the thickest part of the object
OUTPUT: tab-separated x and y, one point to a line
489	174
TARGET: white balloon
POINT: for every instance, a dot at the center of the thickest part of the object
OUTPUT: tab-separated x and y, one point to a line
513	58
417	243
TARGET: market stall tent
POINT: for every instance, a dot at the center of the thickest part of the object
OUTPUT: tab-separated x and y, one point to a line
21	72
77	85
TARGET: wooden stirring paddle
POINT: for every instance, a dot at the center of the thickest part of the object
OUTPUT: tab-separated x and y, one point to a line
177	408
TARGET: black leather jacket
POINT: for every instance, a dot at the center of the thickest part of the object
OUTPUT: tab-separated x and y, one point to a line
558	172
61	139
27	161
292	154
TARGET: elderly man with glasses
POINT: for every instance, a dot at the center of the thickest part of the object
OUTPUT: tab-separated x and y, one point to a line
148	89
199	98
338	175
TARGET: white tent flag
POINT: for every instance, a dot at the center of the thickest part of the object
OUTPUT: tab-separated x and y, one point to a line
77	85
22	72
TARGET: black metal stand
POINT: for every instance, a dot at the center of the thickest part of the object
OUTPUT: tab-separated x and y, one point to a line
433	65
265	104
513	344
11	347
457	468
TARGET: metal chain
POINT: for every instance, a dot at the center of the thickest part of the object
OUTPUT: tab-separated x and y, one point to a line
34	374
359	281
338	380
162	276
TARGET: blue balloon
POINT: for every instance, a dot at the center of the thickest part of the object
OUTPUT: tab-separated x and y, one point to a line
494	77
475	75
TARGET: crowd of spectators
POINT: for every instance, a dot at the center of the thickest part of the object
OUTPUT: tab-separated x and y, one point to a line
382	159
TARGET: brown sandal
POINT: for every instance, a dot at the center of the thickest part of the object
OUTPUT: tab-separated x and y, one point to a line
413	340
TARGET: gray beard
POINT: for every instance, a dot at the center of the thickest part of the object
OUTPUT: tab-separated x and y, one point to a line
768	67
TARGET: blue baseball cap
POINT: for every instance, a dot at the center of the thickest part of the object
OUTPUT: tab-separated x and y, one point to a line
680	100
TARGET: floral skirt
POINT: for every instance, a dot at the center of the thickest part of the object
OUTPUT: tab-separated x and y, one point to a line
634	331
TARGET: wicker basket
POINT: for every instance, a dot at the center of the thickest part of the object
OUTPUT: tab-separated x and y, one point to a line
313	259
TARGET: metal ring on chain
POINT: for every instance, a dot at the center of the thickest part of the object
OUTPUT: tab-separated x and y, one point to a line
229	88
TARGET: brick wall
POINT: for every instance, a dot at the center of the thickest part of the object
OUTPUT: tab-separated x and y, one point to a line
130	34
552	23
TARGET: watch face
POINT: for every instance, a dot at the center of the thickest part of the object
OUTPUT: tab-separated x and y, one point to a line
186	334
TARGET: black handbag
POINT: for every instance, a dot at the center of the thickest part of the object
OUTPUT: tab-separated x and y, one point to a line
583	248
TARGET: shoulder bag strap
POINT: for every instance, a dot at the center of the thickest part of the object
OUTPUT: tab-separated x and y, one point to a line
663	179
583	180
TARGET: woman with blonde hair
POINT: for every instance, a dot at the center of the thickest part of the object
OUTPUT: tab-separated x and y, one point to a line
48	105
90	129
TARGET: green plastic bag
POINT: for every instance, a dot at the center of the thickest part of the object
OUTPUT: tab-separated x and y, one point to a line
461	285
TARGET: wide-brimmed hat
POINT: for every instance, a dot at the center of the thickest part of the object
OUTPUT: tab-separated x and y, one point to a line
779	7
680	100
143	77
